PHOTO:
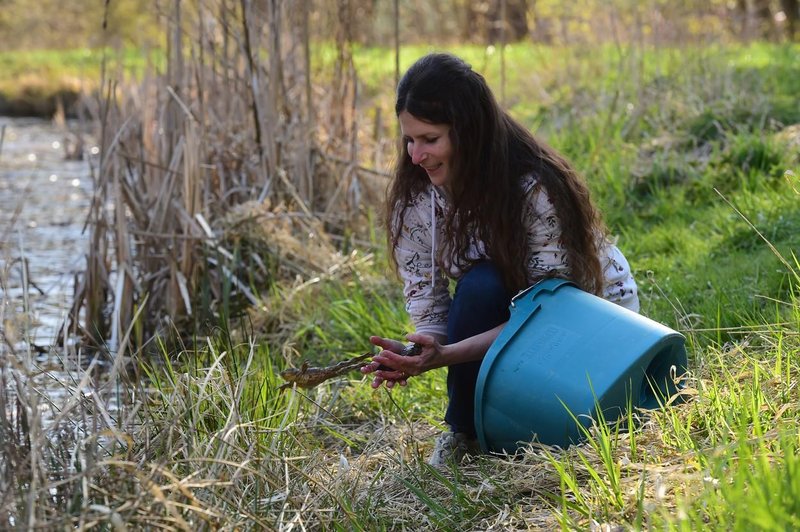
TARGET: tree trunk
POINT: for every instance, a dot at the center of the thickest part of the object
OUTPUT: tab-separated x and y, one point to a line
791	9
516	21
764	21
741	17
542	27
472	23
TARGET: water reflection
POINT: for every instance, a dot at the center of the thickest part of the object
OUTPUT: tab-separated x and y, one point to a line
45	193
44	198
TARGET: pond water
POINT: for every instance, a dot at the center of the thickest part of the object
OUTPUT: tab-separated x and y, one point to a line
45	191
45	194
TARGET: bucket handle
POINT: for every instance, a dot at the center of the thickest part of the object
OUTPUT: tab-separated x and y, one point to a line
521	294
536	285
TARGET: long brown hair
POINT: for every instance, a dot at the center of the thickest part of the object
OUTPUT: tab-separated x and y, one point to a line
491	154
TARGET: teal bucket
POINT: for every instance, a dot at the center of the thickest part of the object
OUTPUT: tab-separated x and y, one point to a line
562	353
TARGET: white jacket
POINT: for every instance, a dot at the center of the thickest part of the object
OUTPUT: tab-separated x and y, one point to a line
426	288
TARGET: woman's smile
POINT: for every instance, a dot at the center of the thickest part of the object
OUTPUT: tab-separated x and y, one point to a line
431	169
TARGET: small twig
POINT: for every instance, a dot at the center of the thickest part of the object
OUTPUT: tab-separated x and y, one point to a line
345	162
28	276
182	105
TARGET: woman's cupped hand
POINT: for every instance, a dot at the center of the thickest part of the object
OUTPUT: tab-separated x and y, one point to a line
390	367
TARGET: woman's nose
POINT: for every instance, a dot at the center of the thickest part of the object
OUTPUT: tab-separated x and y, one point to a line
417	154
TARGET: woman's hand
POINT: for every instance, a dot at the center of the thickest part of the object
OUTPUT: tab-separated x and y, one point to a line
401	367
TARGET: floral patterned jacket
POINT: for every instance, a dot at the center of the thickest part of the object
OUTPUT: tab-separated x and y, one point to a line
426	286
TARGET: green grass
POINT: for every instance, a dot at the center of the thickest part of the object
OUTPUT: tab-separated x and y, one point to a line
702	138
701	267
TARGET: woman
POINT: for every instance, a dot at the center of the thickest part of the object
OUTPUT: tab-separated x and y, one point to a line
476	198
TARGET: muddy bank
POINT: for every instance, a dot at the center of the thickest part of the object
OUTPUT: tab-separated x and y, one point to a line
41	103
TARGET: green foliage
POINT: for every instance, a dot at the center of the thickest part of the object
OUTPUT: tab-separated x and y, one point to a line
335	321
750	480
692	180
687	154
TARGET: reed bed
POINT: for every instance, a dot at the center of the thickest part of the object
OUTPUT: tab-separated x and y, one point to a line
62	414
232	124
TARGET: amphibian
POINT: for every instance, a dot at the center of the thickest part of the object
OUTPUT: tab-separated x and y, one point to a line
308	376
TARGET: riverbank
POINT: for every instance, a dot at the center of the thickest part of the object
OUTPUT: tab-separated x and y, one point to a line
41	102
43	83
47	83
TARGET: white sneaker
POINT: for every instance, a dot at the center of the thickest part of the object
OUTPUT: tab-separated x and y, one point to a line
451	447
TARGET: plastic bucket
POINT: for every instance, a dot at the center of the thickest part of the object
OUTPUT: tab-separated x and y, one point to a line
562	353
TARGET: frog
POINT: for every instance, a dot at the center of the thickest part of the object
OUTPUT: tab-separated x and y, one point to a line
307	376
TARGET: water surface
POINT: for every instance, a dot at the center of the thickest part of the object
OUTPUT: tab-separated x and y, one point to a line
44	199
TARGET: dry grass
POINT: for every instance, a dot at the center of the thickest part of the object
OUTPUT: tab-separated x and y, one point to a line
203	440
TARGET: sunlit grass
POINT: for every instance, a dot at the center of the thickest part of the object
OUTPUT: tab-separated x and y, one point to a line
208	440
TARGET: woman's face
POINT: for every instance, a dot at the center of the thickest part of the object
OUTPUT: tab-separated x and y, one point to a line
428	146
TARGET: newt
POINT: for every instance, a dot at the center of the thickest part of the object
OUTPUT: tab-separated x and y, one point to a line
307	376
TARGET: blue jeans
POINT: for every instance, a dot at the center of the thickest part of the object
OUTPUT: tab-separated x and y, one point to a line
480	303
